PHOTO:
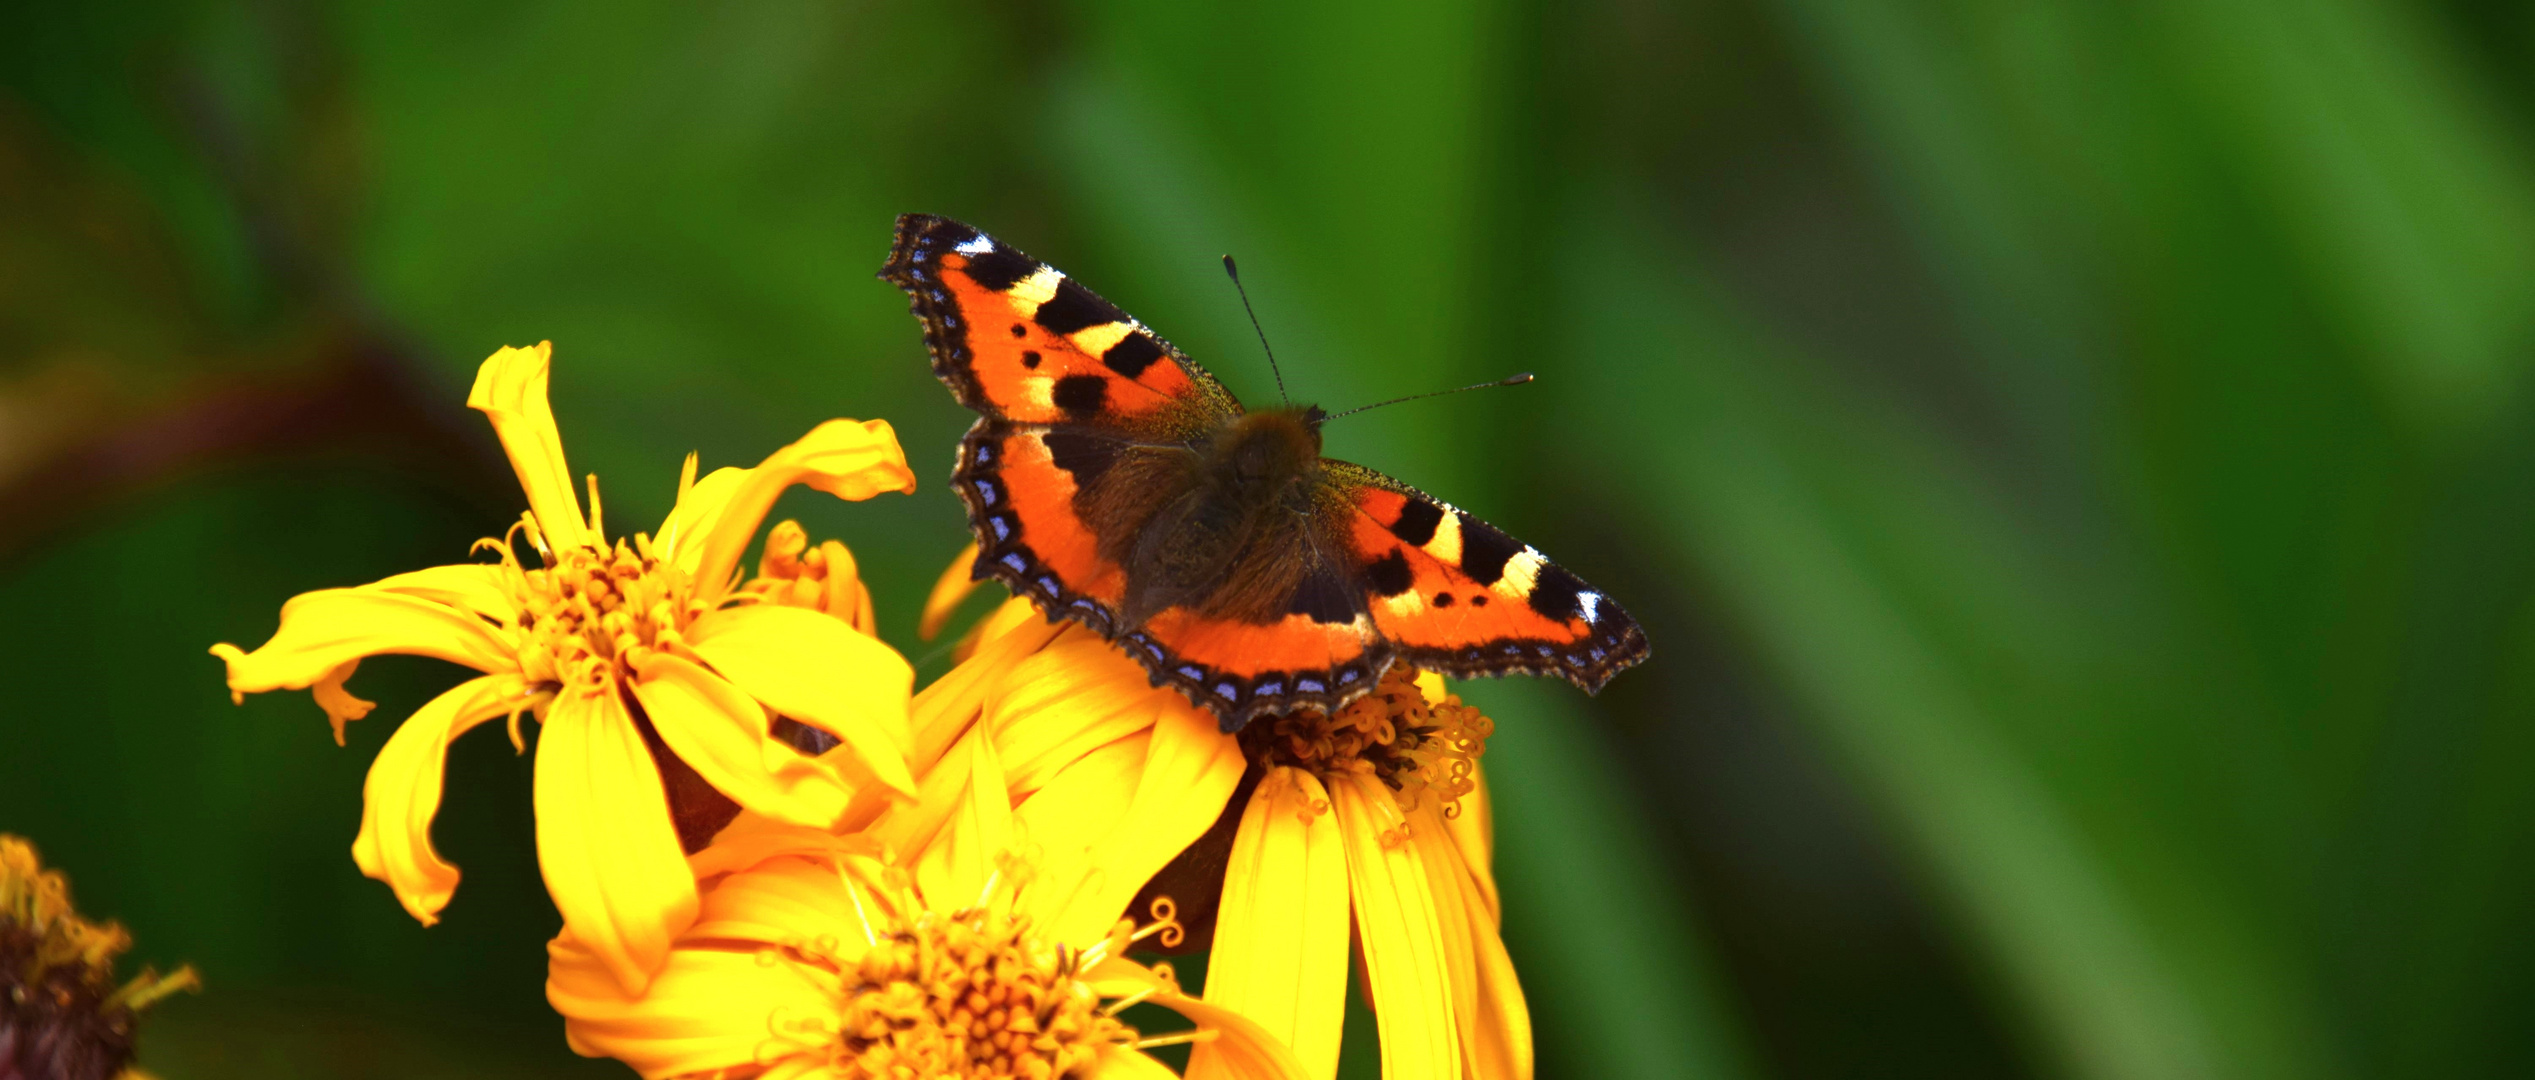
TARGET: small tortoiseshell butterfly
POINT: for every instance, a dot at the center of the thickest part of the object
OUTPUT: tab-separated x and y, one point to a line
1116	483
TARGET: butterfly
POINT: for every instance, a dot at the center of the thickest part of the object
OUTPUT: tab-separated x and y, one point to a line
1117	484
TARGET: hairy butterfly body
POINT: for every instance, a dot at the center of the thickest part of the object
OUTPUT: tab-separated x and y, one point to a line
1117	484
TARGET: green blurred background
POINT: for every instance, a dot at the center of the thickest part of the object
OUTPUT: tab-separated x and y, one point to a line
2075	463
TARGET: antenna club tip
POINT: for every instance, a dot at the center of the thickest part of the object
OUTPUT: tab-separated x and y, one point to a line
1517	379
1230	268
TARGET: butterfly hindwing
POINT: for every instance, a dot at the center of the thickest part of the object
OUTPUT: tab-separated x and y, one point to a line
1454	594
1017	340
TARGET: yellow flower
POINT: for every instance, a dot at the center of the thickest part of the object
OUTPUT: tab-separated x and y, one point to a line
825	956
617	648
1369	825
1380	810
61	1014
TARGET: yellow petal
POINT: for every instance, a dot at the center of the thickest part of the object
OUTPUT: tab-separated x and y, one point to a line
1190	770
948	590
946	709
1086	800
402	793
483	589
604	838
909	826
326	629
793	901
1240	1047
1060	702
510	390
1499	1047
820	672
707	1010
1473	830
1114	1062
723	735
955	869
1449	880
1396	923
680	541
1013	614
1280	952
841	457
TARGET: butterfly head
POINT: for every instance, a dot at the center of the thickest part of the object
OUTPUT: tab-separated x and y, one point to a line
1262	448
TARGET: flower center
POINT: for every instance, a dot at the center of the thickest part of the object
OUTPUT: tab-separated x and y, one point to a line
590	612
1420	750
972	995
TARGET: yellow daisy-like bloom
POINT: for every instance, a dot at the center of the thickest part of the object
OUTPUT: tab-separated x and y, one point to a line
824	956
612	645
1369	825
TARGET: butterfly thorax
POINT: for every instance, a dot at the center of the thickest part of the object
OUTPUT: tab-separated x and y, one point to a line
1230	537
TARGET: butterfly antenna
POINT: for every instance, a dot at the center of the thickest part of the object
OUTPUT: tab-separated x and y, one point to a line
1234	272
1510	380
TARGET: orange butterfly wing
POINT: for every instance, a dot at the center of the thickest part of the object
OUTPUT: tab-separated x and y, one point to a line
1453	594
1062	381
1018	341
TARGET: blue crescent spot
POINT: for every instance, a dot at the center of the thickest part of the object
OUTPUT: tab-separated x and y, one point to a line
1002	531
1310	686
1227	691
1014	560
1271	689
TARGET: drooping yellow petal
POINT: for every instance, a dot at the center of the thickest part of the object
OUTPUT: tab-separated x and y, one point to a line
1190	770
724	735
841	457
1280	952
948	590
1396	923
707	1009
820	672
324	630
604	839
1499	1046
402	793
510	390
341	704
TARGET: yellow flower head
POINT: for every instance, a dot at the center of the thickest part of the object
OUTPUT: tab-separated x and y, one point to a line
825	956
61	1014
623	650
1368	825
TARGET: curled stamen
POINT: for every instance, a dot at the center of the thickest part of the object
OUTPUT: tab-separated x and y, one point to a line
1165	922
